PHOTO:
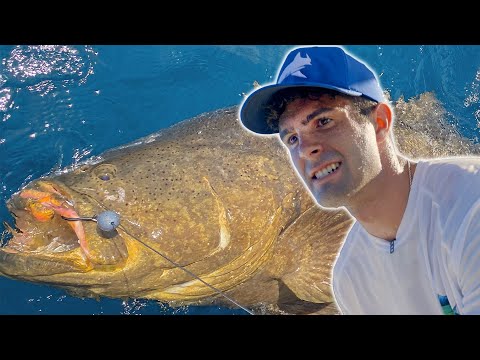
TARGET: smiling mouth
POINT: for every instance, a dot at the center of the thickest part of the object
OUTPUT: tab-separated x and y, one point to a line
327	170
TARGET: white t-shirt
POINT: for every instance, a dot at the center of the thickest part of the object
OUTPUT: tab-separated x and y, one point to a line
435	264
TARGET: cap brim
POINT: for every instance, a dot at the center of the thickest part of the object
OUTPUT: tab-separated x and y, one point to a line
253	110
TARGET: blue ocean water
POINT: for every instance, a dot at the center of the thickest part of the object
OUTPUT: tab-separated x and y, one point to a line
62	104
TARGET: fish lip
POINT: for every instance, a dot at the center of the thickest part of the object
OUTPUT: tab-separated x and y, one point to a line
322	166
18	264
16	206
15	217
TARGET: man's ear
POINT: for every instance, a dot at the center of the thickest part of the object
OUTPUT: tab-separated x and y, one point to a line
383	121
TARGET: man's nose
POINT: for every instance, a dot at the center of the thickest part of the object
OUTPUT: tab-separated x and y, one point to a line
310	148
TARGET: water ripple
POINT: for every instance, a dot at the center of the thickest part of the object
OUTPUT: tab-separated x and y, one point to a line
28	65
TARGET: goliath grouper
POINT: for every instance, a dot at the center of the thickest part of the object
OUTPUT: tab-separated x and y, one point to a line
208	213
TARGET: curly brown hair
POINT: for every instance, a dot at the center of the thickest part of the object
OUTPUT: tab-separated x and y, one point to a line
279	101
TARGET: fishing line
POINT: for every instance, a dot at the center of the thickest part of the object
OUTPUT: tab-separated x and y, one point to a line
109	220
189	272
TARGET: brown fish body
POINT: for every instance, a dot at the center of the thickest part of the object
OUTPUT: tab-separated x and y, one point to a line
204	194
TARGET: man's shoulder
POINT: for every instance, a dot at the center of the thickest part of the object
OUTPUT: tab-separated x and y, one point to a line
433	170
449	186
459	161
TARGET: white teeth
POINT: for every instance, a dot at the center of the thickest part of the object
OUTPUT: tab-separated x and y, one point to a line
327	170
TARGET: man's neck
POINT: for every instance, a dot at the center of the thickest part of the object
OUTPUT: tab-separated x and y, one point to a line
381	206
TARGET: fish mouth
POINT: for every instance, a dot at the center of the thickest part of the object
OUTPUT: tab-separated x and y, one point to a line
41	230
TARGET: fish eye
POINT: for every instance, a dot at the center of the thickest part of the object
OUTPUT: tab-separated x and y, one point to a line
105	172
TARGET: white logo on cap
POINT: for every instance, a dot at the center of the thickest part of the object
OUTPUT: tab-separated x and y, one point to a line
294	67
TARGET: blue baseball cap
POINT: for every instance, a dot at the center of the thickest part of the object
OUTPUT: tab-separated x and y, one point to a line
317	66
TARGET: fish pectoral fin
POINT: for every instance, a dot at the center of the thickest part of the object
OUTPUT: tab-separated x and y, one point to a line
312	242
290	303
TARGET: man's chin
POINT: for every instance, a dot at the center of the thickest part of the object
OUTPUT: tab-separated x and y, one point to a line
329	202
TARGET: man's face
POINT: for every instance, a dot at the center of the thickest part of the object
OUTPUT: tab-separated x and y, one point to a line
333	149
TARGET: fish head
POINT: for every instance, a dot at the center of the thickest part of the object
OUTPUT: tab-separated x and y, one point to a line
48	238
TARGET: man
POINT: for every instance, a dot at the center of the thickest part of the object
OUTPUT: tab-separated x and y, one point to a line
415	245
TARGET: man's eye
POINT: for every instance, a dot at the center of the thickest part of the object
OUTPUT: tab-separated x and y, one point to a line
292	140
324	121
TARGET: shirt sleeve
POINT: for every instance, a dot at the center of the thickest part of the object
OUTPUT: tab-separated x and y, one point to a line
468	268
